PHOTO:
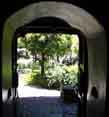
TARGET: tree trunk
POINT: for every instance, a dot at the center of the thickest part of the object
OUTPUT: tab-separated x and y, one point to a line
58	59
61	85
26	54
35	57
42	65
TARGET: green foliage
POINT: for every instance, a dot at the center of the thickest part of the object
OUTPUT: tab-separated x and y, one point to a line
50	44
35	80
21	66
45	47
62	73
54	76
70	78
35	66
20	43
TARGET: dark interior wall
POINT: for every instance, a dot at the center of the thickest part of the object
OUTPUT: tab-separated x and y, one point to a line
100	12
95	105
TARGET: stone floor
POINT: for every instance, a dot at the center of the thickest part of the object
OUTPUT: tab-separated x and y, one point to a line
45	107
37	102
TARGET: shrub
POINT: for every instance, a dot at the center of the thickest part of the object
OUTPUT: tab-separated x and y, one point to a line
35	80
35	65
61	73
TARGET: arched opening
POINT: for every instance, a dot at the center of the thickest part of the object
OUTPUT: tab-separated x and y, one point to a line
63	29
92	30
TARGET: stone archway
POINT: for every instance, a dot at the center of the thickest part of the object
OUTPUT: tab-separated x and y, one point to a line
76	17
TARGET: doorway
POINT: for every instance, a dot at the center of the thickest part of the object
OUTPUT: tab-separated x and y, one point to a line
61	68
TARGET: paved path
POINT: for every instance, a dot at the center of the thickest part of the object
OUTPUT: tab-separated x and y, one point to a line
29	91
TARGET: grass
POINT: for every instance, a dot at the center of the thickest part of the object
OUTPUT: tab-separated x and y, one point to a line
28	79
33	80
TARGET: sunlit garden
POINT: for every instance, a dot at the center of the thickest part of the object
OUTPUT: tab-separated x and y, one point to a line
48	60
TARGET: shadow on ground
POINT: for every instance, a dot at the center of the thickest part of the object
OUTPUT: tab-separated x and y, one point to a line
45	107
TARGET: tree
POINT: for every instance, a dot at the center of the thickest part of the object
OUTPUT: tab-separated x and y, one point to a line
23	43
45	46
